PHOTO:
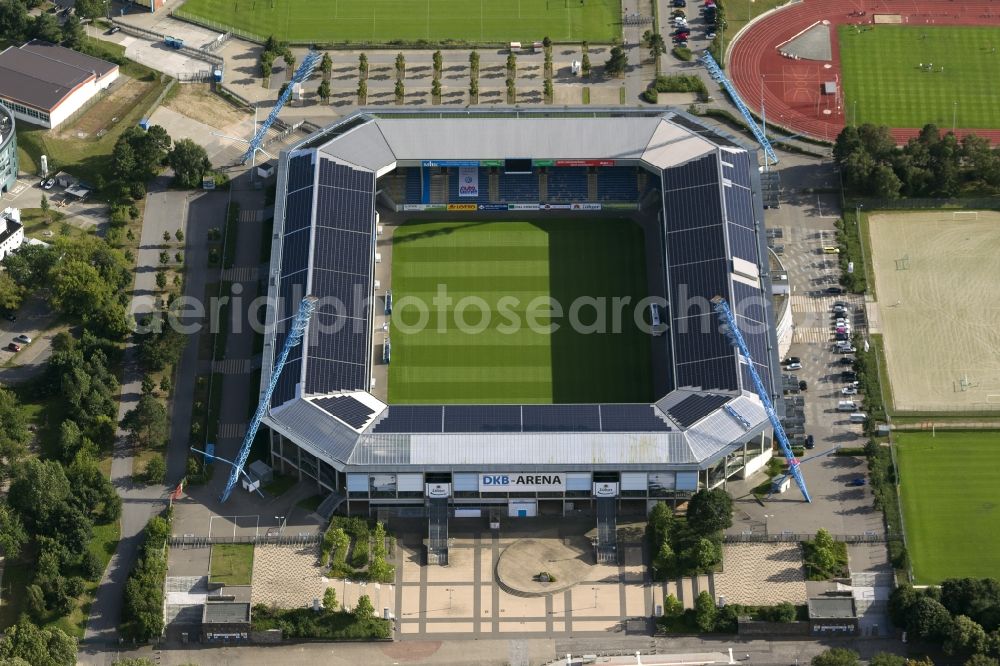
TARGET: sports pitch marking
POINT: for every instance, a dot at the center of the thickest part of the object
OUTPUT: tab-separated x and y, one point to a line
908	76
950	509
936	280
495	272
381	21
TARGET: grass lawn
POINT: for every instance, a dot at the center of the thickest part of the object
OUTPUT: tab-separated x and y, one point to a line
898	93
302	21
950	511
232	563
506	271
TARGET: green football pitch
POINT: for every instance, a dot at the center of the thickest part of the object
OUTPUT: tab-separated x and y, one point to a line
499	348
951	510
956	86
476	21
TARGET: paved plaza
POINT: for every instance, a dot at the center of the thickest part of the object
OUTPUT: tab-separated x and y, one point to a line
748	565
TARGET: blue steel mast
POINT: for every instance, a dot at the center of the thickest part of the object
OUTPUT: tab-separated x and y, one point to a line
736	339
301	74
306	308
716	72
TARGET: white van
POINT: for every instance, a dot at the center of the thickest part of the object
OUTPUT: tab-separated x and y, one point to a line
846	406
858	417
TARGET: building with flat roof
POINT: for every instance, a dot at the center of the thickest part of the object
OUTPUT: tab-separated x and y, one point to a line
11	231
44	84
8	150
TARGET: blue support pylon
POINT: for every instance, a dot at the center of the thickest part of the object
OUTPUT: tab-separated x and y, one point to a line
736	339
299	324
758	132
301	74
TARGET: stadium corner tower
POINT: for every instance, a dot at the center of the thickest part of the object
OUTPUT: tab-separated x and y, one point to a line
696	191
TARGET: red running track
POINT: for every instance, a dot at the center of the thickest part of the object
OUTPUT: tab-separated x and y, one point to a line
791	89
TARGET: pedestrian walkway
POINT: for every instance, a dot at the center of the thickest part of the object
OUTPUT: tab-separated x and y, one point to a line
241	274
232	366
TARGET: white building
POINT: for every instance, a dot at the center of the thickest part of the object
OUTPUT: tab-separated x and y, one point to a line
45	84
11	231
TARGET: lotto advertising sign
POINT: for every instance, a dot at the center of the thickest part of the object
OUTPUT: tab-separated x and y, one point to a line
468	181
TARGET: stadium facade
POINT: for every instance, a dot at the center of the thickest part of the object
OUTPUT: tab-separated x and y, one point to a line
328	417
8	150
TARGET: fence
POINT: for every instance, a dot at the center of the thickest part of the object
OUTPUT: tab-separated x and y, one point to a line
790	537
257	540
878	205
197	53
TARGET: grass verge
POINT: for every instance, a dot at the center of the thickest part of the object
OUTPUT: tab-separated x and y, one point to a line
232	564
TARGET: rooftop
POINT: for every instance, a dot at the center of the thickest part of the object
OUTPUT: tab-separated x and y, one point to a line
225	612
6	124
8	228
41	75
831	608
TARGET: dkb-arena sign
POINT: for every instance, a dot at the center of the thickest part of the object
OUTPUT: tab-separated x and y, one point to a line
505	483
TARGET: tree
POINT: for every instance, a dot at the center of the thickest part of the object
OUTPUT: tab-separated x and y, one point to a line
362	91
147	422
179	235
900	601
289	59
324	91
704	612
11	293
326	65
672	607
38	647
928	619
436	88
547	89
14	20
266	64
885	183
12	534
474	64
665	562
156	469
90	9
710	511
330	599
703	555
438	63
981	660
189	162
836	657
35	602
362	66
400	92
473	91
964	636
511	91
511	65
364	610
72	32
887	659
547	42
46	27
655	44
400	67
44	205
14	433
783	612
616	64
37	492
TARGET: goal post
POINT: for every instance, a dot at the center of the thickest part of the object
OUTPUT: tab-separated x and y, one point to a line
965	216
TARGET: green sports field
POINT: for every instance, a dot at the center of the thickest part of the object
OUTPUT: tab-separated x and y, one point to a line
496	356
951	509
882	73
332	21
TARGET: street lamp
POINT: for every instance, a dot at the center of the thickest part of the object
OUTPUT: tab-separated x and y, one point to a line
281	523
595	597
855	113
766	516
954	116
450	590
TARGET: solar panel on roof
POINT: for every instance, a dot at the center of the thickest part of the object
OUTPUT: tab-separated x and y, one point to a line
344	251
348	409
718	374
295	252
482	418
291	291
325	376
300	172
691	246
561	418
693	408
410	418
284	390
742	243
298	210
631	418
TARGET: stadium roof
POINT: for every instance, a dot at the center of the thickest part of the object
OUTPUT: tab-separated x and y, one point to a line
41	75
324	231
381	142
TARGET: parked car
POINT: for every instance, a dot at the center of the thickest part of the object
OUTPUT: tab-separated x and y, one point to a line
847	350
14	347
792	359
679	3
841	304
810	441
682	43
48	183
849	375
857	482
803	385
678	12
711	35
841	336
836	290
793	366
849	390
847	360
114	29
23	339
846	330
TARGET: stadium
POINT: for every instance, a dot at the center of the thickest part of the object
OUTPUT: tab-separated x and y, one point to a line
390	408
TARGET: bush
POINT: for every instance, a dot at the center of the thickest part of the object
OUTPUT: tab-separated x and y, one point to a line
326	625
156	469
143	601
680	83
682	53
359	556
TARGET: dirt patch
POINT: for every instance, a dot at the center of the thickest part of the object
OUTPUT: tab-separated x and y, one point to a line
935	276
196	101
108	110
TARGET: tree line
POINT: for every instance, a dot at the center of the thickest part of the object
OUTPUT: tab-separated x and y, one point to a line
693	545
962	615
931	164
